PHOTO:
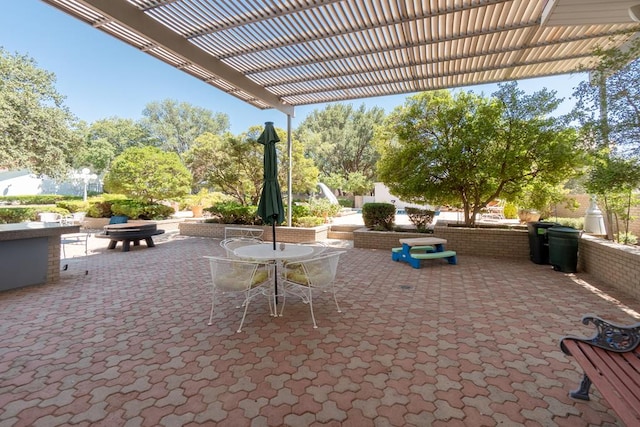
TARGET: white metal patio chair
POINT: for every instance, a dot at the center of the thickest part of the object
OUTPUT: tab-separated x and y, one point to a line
247	278
494	210
50	217
80	239
302	278
318	248
234	243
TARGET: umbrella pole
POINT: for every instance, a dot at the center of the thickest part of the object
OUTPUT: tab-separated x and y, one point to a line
275	277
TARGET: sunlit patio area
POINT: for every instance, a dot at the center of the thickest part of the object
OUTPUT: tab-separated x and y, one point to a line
473	344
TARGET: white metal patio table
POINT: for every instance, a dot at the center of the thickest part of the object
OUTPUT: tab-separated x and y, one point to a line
265	252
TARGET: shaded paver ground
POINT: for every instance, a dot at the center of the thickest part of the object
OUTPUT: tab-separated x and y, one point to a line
473	344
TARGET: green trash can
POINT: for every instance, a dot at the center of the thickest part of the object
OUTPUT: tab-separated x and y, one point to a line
539	241
563	248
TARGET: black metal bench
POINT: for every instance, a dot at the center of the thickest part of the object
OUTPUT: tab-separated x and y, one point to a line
611	361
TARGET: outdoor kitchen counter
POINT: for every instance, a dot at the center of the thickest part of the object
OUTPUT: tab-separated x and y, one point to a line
30	253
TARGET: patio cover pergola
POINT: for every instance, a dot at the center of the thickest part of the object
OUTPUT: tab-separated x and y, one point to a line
283	53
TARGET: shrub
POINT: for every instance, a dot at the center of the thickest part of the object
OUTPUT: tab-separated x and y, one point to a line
577	223
379	216
15	215
307	221
421	218
322	207
510	211
346	203
37	199
233	213
100	209
135	209
627	238
73	205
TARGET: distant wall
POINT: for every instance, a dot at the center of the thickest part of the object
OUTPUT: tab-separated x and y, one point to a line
584	201
382	195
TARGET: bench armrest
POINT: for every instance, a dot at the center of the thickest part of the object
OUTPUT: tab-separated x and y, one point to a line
609	336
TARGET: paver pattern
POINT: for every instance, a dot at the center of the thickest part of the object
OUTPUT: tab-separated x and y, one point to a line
473	344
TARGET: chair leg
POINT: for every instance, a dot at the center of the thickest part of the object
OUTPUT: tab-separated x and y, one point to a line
333	290
313	317
213	302
246	307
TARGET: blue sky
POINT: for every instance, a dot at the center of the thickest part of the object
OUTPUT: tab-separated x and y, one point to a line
102	77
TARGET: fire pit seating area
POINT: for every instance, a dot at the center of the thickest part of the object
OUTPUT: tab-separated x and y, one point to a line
122	230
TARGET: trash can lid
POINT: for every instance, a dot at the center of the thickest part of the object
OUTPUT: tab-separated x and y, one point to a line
560	229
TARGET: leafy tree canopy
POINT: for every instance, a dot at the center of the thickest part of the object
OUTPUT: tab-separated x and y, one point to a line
107	138
234	165
148	174
339	139
467	150
608	106
35	126
175	126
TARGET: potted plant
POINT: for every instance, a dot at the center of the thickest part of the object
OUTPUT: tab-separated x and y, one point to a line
197	201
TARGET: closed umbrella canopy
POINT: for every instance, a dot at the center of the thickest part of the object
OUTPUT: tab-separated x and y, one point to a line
270	207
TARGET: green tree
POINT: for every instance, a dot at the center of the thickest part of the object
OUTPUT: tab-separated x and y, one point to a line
148	174
468	149
614	179
107	138
234	164
36	129
339	139
609	113
608	107
175	126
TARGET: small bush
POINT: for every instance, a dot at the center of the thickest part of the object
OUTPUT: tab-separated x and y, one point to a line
16	215
37	199
346	203
73	205
134	209
421	218
307	221
577	223
627	238
100	209
234	213
322	207
379	216
510	211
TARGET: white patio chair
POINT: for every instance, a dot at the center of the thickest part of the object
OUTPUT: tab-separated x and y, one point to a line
234	243
240	277
51	217
494	210
318	248
80	239
302	278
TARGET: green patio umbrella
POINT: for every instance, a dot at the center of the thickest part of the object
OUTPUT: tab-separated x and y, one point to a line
270	207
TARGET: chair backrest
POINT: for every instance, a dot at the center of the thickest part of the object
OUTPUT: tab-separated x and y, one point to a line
118	219
49	217
234	243
232	275
318	248
316	272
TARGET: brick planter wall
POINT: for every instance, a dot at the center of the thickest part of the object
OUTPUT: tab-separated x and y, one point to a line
503	243
612	263
283	234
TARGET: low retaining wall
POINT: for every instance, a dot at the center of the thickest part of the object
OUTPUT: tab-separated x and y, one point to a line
283	234
502	243
612	263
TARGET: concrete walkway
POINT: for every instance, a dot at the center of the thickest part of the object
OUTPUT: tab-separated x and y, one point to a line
473	344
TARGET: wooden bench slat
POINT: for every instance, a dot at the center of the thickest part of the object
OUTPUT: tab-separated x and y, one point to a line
610	377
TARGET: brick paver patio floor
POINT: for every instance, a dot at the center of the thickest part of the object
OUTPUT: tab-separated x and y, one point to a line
475	344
